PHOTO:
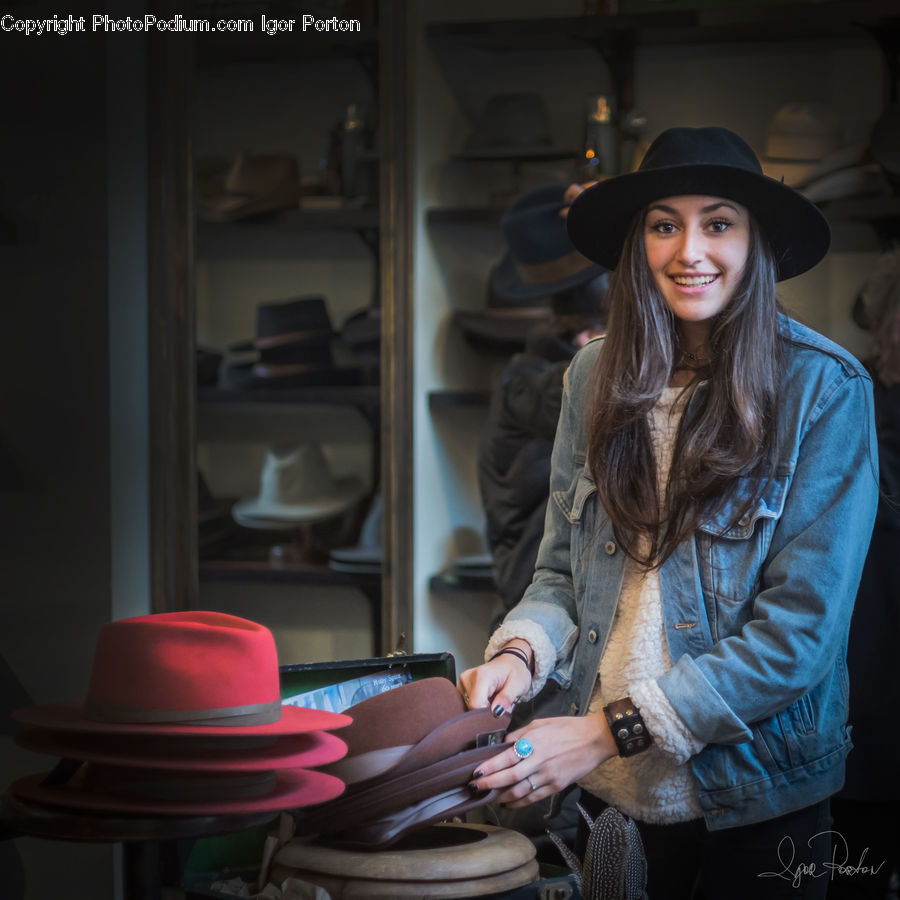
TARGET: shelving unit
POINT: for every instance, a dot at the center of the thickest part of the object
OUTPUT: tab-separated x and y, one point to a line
288	91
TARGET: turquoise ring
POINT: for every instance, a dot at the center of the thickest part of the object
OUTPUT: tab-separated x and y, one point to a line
523	748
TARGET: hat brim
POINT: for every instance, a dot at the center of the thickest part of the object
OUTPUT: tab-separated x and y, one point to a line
293	788
501	329
501	153
600	217
507	282
314	748
261	513
70	717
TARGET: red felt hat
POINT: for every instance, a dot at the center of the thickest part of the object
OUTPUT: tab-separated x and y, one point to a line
164	793
191	673
314	748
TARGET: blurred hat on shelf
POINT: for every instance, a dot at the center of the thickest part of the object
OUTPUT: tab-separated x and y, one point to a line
513	126
176	705
540	265
800	136
286	323
540	259
254	184
292	348
297	488
367	555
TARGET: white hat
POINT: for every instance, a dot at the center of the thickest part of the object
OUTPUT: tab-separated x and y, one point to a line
296	487
803	131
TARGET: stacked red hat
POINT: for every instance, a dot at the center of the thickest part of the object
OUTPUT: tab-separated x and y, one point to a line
183	717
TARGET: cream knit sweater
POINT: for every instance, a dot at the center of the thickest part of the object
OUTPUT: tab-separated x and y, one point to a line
655	786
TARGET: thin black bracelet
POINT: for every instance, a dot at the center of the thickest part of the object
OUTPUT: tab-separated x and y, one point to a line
513	651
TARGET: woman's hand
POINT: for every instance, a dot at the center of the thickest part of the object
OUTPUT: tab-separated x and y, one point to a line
500	683
564	750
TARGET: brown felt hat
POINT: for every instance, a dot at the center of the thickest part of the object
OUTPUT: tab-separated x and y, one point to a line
411	755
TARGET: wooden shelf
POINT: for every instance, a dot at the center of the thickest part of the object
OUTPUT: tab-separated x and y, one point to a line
447	583
365	396
453	399
464	215
278	233
750	22
296	46
283	573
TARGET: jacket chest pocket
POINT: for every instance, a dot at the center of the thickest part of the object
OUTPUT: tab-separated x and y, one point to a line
732	552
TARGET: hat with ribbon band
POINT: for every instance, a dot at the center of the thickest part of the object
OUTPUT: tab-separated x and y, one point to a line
412	751
700	161
197	673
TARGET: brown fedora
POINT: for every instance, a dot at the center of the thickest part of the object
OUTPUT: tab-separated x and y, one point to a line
411	754
255	184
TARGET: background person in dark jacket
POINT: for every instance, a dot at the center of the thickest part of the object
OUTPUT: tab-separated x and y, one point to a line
514	452
541	266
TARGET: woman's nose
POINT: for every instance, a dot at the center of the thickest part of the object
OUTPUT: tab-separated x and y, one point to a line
690	248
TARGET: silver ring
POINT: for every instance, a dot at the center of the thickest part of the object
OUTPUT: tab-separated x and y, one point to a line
530	783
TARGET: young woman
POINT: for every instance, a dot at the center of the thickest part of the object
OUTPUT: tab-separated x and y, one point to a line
713	484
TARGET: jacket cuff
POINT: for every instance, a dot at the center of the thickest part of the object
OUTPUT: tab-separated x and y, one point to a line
666	727
541	646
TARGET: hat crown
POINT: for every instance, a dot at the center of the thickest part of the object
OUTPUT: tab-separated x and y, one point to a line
293	476
303	314
514	120
171	667
533	228
700	147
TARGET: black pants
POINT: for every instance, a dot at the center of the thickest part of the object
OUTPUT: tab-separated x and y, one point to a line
867	849
687	862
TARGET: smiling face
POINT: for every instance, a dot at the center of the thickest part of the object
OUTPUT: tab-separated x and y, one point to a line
696	248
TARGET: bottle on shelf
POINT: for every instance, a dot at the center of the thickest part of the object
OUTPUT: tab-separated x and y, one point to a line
601	139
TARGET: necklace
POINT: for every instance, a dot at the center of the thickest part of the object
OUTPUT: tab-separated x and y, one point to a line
695	360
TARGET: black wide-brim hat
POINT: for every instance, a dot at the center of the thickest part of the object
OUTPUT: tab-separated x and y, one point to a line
705	161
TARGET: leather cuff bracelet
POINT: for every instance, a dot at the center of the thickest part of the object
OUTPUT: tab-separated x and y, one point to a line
627	727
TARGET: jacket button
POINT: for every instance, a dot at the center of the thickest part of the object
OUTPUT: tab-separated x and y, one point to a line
610	547
592	635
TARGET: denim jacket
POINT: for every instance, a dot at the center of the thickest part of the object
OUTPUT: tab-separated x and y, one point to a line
756	613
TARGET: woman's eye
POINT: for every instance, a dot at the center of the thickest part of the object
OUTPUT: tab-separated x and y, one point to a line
662	227
719	225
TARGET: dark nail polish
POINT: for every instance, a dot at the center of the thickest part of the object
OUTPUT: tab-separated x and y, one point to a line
478	774
474	788
497	711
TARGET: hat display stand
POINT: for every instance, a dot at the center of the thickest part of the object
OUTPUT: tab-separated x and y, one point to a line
444	860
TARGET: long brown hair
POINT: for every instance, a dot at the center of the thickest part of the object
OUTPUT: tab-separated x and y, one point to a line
729	430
